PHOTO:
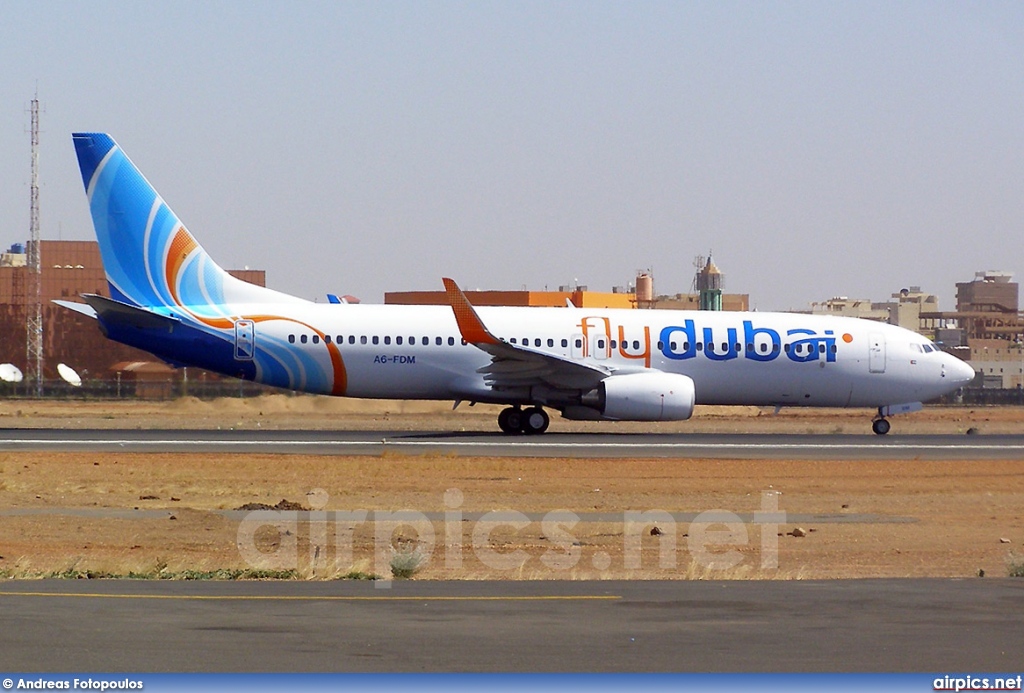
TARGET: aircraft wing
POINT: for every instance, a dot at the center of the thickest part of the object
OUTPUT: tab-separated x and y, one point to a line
514	365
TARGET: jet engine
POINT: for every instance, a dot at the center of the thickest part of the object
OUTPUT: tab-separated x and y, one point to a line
651	396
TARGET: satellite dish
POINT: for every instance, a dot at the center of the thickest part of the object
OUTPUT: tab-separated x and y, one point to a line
10	373
69	375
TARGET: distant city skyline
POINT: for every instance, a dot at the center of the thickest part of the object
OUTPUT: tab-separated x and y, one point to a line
817	150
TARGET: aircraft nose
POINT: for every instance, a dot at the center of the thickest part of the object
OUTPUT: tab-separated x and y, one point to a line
959	371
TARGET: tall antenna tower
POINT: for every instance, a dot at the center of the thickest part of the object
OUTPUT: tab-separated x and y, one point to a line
34	293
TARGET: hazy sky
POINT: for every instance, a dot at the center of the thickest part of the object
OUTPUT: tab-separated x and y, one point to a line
817	148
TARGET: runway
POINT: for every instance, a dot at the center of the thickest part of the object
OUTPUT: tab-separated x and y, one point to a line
855	626
605	444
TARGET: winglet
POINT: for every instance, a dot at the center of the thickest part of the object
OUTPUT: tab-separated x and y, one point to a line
470	324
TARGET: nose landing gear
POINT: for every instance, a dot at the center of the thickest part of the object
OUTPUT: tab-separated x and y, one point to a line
531	421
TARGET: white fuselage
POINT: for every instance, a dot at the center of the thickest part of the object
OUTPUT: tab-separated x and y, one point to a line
750	358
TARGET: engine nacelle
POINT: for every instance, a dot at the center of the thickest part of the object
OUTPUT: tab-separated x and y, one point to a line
651	396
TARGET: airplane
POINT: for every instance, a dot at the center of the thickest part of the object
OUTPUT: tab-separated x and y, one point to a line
169	297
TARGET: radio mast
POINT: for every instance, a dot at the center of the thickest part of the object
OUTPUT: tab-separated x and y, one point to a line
33	297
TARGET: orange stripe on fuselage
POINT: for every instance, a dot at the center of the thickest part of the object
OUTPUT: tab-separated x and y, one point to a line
184	245
340	385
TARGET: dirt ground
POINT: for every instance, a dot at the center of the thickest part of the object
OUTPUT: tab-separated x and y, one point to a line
288	412
161	514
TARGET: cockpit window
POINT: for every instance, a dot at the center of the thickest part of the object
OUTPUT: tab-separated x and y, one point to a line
928	348
917	347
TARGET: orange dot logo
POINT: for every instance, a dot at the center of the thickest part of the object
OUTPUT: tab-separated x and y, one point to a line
847	337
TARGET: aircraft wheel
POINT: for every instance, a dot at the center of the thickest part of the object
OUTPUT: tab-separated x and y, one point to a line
880	426
535	421
510	420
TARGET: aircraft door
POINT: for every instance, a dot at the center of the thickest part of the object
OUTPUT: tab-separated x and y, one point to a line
876	353
602	346
245	340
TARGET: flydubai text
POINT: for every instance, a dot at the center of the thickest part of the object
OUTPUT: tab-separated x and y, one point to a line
687	341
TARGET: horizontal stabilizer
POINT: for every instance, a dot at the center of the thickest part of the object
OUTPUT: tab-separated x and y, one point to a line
83	308
113	312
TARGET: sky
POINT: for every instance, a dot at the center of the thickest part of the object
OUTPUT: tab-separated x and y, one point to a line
816	149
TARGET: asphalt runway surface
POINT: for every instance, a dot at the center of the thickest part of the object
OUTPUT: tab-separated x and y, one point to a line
908	625
705	626
605	444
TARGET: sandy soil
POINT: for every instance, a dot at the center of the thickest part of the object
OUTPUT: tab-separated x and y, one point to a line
120	513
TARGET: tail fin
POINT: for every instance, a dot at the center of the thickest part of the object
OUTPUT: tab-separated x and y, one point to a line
150	258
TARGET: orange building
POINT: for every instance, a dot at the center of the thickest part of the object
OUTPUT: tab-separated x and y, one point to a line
579	298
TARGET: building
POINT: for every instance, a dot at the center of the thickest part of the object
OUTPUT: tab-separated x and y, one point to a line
990	292
909	309
579	297
999	362
847	307
734	302
640	295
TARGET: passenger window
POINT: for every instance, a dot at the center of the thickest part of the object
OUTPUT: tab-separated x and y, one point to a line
579	343
362	340
739	347
787	348
426	341
821	348
513	340
327	339
352	339
316	339
636	345
303	339
834	349
387	340
671	346
451	341
551	342
376	339
464	342
438	341
661	345
700	346
536	342
565	343
711	347
764	347
398	341
291	339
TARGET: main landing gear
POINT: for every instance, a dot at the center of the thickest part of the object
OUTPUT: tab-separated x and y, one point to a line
529	421
880	426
